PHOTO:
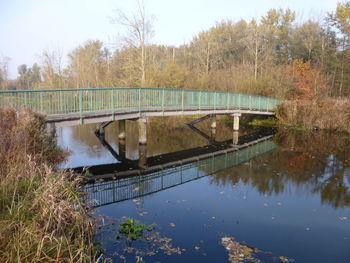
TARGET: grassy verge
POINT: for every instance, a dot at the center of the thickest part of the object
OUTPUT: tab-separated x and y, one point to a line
266	122
42	217
323	114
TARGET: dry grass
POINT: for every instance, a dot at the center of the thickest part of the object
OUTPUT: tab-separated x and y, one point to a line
326	114
42	218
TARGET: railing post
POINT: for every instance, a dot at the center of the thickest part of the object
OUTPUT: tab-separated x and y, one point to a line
215	100
80	103
239	100
181	179
139	90
41	102
228	101
163	99
182	100
112	100
161	179
199	100
25	99
60	101
112	104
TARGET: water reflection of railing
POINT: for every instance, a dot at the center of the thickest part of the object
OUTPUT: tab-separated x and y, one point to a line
133	187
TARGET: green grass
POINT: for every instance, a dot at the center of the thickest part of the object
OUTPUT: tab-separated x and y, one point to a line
269	122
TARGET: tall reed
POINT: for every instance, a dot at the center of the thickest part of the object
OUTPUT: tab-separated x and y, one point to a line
42	214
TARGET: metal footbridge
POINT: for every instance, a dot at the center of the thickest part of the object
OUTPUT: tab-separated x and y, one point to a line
65	107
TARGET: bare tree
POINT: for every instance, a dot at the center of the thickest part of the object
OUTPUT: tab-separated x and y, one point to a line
139	32
4	62
51	68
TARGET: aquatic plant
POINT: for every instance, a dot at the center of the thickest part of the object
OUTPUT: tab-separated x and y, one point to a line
133	229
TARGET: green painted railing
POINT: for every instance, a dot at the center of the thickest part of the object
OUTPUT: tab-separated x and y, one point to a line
65	101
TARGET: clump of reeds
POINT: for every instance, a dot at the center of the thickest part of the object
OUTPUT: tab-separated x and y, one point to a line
42	217
324	114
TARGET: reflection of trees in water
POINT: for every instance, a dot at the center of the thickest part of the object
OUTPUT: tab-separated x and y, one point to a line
334	186
314	162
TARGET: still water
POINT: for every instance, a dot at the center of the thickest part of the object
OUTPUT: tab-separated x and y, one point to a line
284	197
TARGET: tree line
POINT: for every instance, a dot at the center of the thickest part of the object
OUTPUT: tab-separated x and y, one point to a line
272	56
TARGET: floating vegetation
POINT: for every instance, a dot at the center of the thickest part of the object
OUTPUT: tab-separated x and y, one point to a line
132	229
239	253
135	239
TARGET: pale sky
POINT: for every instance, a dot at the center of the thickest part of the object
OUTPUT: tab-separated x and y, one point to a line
27	27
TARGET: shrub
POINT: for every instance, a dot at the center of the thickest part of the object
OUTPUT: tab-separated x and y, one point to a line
327	114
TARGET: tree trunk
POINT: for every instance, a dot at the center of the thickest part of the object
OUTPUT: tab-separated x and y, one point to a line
208	58
143	57
256	56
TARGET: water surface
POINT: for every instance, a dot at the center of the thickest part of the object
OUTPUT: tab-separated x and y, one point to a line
288	195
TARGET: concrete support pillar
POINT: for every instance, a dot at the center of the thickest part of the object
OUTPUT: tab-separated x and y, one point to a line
213	133
51	129
121	135
142	123
213	126
236	121
213	122
235	137
142	155
122	149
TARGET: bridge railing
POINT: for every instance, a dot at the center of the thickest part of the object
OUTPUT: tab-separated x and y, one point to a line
124	189
64	101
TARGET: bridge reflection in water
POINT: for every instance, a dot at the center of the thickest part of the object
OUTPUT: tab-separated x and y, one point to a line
134	182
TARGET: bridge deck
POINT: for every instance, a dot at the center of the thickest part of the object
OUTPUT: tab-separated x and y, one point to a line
72	106
127	114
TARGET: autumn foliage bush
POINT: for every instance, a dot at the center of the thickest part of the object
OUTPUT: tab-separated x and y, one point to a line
308	81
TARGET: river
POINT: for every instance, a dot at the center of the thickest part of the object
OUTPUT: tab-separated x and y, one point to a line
272	197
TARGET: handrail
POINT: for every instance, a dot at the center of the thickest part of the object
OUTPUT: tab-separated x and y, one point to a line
65	101
126	88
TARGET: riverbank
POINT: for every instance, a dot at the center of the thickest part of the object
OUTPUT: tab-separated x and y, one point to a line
42	215
321	114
